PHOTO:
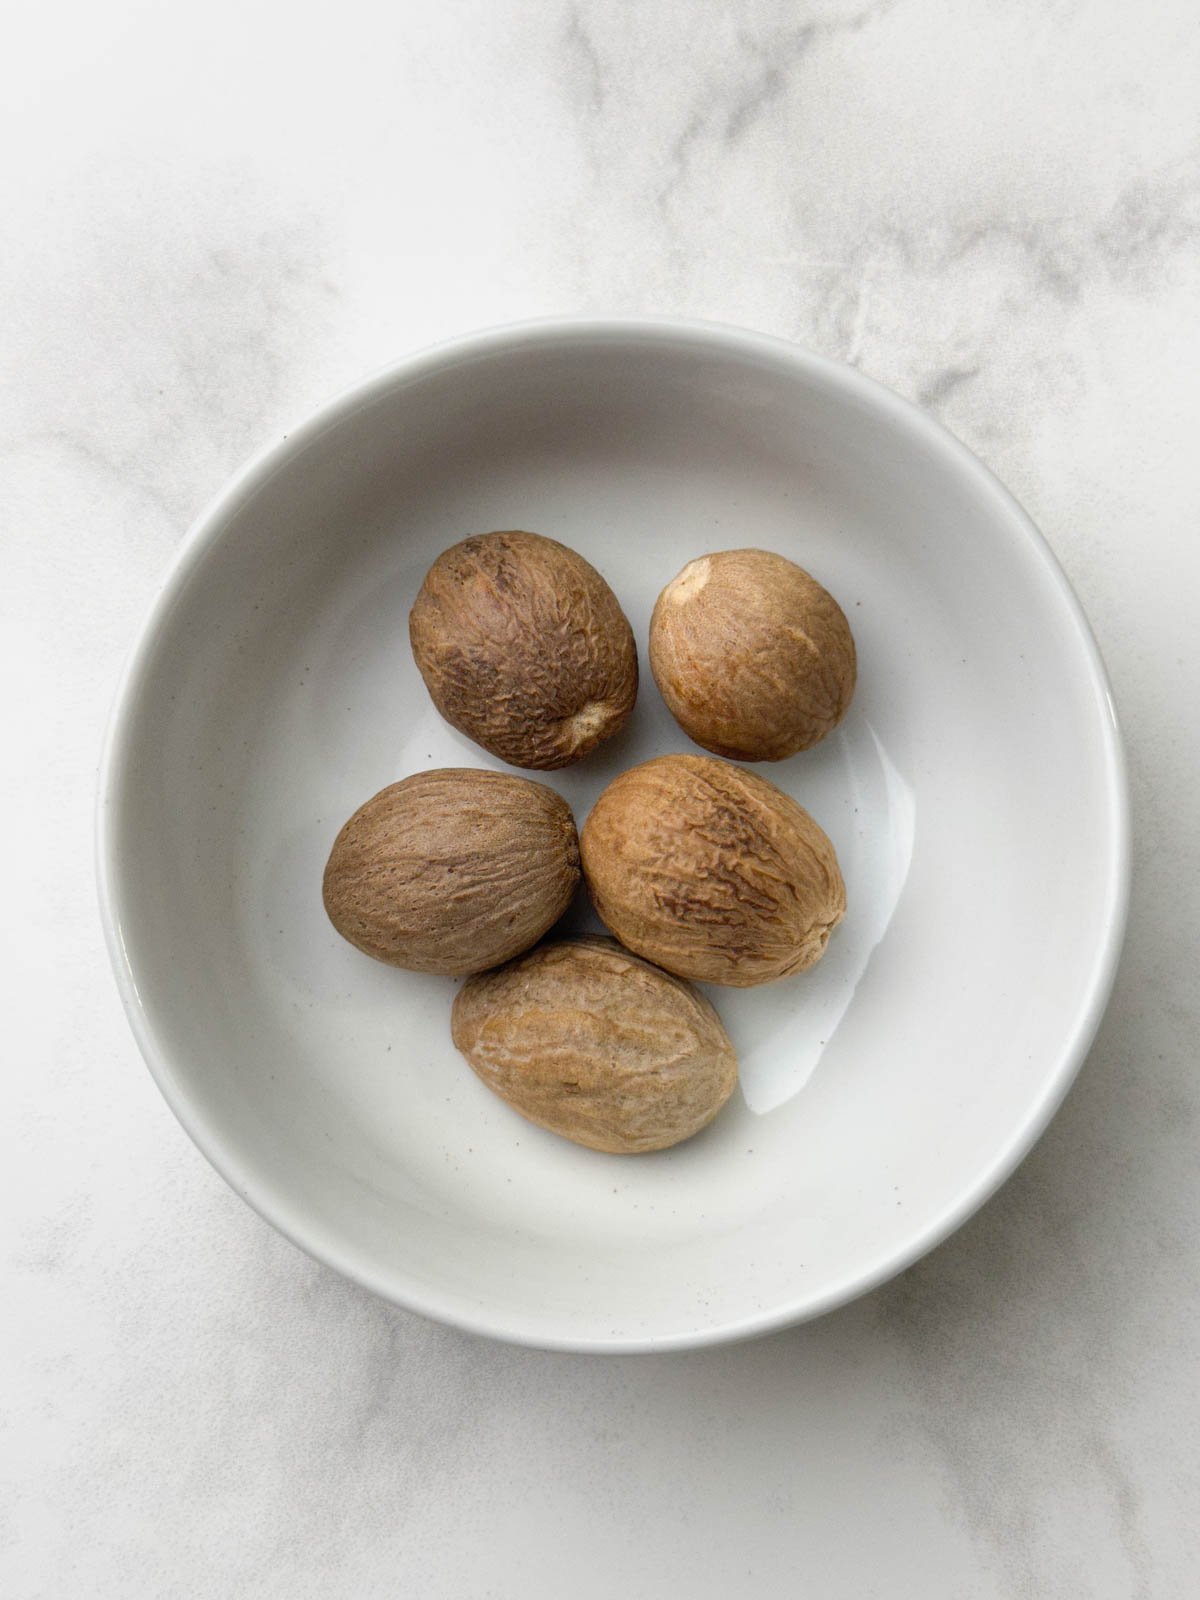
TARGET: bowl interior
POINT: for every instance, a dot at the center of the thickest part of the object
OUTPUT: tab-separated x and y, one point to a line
973	796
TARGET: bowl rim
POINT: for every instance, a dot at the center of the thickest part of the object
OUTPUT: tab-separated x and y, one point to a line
667	331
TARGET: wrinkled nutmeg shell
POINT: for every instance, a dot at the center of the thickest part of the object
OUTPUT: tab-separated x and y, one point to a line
589	1041
754	659
453	871
524	648
711	872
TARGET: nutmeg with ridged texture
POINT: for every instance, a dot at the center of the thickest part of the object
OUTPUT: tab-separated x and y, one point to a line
524	648
754	658
711	872
597	1045
453	871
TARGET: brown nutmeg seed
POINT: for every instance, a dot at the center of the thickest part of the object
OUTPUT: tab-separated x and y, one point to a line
524	648
597	1045
754	659
453	871
711	872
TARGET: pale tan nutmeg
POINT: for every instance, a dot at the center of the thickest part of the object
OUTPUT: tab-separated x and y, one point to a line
711	872
453	871
589	1041
754	659
524	648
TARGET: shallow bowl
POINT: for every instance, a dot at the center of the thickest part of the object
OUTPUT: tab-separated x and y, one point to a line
975	794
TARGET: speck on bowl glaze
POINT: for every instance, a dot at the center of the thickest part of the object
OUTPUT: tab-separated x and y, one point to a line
975	793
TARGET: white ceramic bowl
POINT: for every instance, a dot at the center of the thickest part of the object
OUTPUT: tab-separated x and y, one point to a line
975	794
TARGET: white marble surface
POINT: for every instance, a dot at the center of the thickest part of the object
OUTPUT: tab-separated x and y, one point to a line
217	214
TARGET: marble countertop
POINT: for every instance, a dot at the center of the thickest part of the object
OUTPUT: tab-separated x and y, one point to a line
215	216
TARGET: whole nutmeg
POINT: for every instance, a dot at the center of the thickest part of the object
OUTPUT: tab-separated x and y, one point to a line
523	647
589	1041
753	657
453	871
711	872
